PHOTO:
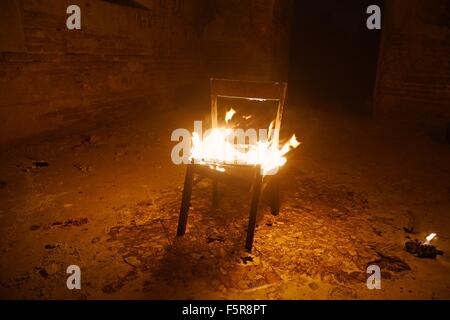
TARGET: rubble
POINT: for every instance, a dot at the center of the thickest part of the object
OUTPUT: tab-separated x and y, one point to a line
422	250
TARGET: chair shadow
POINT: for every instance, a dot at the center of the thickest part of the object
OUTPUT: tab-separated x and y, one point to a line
210	258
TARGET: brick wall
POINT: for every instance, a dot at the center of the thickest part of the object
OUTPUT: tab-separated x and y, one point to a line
125	57
250	38
413	85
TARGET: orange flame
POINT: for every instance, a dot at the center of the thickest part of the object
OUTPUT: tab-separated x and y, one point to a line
431	236
229	115
218	146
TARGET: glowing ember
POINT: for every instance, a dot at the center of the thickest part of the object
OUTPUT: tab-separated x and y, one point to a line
219	146
430	237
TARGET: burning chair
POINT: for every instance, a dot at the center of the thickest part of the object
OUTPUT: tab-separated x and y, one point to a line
218	156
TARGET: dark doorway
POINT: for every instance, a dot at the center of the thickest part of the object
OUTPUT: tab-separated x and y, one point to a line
333	56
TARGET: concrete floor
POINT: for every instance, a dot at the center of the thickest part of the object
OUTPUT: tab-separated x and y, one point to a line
108	201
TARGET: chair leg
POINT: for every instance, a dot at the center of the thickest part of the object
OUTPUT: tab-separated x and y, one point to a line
186	200
215	193
275	197
256	192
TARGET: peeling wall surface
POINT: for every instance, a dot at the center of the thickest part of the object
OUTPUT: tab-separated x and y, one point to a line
414	66
143	54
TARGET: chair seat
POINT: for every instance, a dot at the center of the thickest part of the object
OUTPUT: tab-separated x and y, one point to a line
243	173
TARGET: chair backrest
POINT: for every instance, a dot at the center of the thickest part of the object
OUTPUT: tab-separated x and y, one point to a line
267	91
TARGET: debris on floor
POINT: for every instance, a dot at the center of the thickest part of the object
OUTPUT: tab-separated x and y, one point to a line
82	168
422	250
75	222
91	139
40	164
120	226
35	165
72	222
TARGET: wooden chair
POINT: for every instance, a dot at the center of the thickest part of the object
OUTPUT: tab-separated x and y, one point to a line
249	174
